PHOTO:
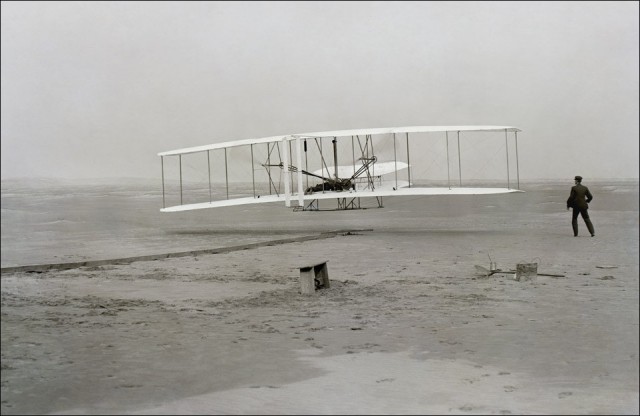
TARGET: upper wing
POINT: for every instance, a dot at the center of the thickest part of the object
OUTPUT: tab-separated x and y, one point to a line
340	133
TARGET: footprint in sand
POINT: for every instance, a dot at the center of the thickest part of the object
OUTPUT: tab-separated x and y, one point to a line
510	389
564	394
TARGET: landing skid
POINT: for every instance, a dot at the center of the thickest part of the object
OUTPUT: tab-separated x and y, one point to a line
344	204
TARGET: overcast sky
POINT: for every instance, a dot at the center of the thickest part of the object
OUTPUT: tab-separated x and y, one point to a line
97	89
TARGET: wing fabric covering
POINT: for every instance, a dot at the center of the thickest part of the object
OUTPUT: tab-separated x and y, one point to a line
343	164
356	194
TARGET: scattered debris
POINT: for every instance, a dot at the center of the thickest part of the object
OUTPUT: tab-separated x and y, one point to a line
492	264
484	272
526	271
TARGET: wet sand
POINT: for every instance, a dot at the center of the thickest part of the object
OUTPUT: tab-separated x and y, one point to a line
407	326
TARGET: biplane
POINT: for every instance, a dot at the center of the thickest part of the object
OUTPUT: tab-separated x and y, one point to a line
345	166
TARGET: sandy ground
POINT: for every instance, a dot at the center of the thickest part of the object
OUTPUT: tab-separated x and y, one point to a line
407	326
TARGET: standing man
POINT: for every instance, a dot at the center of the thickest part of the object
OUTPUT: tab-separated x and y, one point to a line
579	200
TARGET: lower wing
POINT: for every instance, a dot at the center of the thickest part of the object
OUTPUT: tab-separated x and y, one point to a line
387	189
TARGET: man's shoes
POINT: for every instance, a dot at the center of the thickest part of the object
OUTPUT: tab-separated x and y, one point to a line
593	235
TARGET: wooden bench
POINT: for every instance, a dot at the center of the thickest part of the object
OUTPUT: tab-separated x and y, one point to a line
314	277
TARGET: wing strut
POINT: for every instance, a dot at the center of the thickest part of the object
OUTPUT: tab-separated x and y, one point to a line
268	166
287	185
180	159
353	153
408	162
306	160
253	173
323	162
459	161
209	171
299	162
395	160
506	143
164	205
335	157
365	167
517	164
448	169
365	157
226	172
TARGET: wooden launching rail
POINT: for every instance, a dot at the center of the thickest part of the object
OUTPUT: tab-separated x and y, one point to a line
39	268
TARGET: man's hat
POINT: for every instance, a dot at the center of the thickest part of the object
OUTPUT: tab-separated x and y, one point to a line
578	178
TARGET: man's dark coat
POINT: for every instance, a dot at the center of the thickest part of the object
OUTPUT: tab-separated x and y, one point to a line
579	197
